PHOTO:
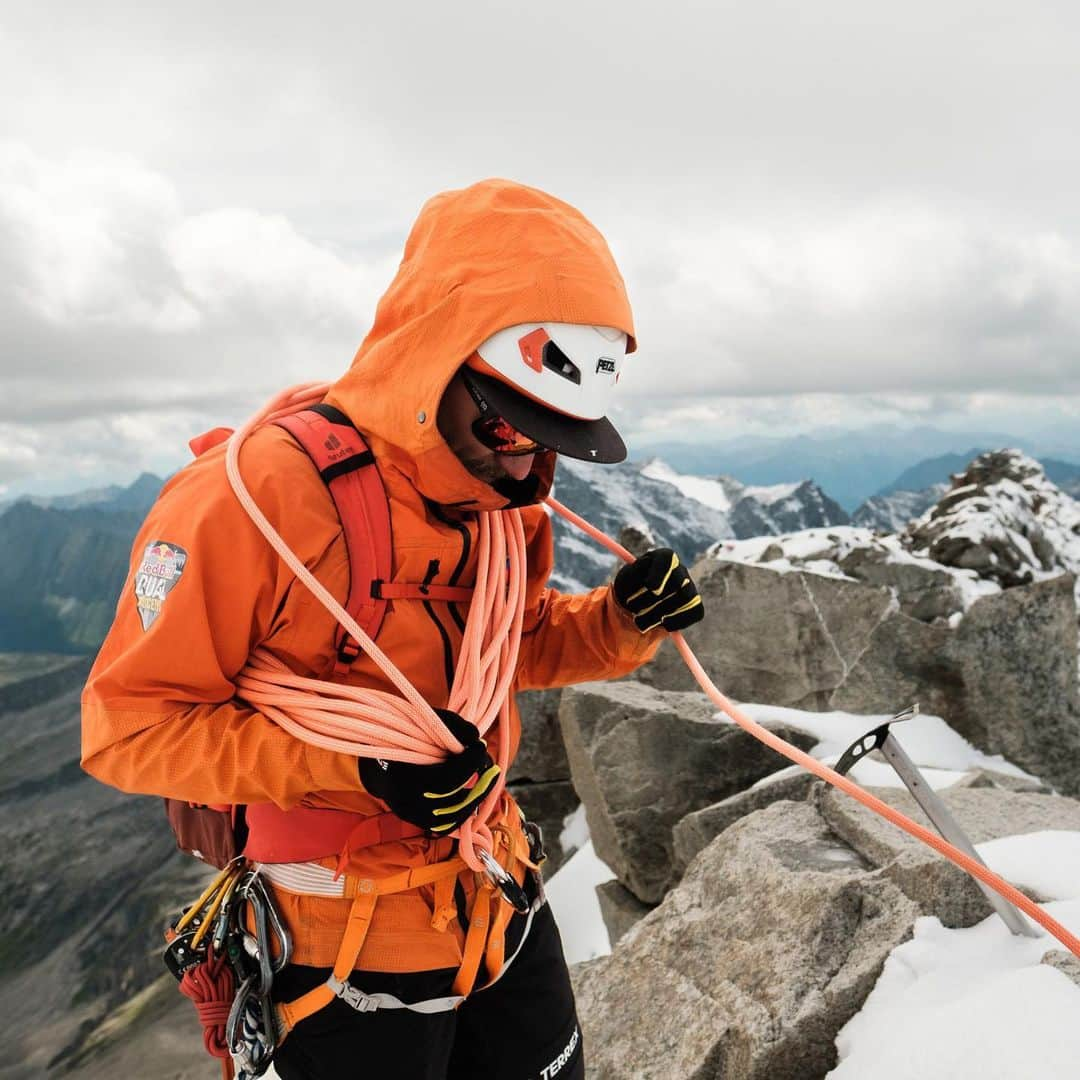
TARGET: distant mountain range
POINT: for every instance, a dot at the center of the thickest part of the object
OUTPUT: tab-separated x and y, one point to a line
137	497
937	471
850	465
64	562
65	558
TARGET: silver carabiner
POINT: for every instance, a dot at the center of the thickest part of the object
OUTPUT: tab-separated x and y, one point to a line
267	920
250	1031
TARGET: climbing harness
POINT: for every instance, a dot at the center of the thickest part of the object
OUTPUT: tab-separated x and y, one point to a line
499	894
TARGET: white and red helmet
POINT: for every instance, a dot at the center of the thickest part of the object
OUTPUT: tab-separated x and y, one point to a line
555	382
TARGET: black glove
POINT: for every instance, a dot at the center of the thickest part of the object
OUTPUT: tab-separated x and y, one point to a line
436	797
658	591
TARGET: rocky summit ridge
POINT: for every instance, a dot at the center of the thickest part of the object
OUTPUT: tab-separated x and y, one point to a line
752	917
1003	518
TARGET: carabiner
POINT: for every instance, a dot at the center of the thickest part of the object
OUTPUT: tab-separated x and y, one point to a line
511	891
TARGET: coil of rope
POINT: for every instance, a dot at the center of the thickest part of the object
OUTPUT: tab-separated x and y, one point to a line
374	723
378	724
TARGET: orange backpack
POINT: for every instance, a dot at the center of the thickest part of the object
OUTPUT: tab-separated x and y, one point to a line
217	834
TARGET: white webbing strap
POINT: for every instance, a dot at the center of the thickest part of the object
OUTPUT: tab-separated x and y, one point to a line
362	1002
306	878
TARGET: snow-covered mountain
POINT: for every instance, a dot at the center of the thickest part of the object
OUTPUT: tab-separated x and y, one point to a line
756	510
613	496
919	488
1001	523
783	508
687	513
893	512
851	464
1004	519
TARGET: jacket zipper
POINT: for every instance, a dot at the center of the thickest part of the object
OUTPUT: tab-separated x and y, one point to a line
466	543
448	651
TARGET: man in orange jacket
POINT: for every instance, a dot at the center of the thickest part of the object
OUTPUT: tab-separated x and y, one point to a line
495	348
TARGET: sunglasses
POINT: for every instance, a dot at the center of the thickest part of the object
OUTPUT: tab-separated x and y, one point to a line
494	431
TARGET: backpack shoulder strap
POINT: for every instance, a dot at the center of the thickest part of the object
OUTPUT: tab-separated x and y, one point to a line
347	467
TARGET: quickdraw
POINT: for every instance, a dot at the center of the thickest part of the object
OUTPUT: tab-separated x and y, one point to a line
225	950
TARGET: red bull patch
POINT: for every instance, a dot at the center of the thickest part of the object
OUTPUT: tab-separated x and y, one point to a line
161	567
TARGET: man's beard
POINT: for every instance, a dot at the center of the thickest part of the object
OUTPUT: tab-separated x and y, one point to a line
485	469
517	492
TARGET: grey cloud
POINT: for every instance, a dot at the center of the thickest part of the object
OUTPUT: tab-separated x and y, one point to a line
696	106
855	201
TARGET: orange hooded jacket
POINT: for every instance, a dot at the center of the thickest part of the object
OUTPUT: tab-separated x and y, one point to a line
159	711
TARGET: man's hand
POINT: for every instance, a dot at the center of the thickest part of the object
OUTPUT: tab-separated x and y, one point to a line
658	591
439	797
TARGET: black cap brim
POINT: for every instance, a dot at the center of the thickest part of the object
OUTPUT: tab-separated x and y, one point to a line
587	440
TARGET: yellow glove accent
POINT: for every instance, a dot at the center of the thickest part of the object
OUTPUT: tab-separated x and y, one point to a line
476	792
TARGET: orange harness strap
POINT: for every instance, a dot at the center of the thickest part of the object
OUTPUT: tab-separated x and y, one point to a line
367	891
517	864
444	909
476	937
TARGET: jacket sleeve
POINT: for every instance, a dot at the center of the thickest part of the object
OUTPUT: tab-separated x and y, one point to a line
571	638
159	715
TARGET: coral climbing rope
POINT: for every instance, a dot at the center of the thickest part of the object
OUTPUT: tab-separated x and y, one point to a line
374	723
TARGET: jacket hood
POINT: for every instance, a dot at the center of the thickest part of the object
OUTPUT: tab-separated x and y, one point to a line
477	260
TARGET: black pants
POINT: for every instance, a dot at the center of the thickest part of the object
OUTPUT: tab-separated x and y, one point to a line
522	1027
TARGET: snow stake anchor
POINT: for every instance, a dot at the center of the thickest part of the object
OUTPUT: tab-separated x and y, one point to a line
881	738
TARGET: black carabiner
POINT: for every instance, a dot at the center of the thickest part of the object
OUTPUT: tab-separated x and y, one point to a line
511	891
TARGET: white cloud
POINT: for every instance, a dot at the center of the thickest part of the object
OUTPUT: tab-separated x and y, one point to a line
822	218
17	455
118	300
236	260
890	298
83	238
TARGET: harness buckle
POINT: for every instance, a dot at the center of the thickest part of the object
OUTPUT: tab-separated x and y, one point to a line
354	998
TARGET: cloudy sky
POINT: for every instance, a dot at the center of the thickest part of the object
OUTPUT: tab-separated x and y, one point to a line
835	214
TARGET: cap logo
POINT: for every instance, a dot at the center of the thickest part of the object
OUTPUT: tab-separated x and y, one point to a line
532	348
605	364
